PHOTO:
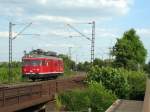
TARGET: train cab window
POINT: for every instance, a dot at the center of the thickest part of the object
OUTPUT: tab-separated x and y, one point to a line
36	63
32	62
26	62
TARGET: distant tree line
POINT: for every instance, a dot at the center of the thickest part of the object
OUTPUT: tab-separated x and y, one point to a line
14	64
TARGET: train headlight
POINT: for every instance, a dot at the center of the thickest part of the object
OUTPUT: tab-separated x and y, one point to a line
37	70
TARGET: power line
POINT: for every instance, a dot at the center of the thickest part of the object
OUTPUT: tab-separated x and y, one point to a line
92	40
78	32
22	31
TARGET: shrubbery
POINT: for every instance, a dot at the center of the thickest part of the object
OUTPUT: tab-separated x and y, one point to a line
125	84
137	83
103	84
95	97
15	76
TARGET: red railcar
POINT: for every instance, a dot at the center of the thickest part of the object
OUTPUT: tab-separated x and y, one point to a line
42	67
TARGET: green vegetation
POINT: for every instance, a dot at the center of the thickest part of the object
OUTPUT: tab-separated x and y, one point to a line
147	68
85	66
125	84
129	51
95	97
15	76
124	76
69	65
112	79
137	84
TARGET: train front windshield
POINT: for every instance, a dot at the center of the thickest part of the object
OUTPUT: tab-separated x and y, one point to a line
32	62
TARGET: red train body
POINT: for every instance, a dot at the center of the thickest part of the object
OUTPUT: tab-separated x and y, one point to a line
42	67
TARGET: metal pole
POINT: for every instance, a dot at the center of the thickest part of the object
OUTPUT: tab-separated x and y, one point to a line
11	38
10	51
93	42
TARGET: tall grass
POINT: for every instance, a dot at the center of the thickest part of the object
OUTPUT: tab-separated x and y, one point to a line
14	77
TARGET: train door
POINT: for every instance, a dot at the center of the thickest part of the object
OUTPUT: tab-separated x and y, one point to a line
50	66
55	66
44	66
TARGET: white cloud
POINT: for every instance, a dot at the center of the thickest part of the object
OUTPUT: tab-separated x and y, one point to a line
143	31
120	6
103	32
66	9
43	2
53	18
100	33
108	33
9	11
58	46
58	33
5	34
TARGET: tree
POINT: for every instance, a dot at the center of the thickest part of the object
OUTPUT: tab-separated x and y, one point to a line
68	63
80	67
98	62
147	67
83	66
129	51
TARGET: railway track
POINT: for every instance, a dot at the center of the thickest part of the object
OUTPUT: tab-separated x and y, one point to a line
20	96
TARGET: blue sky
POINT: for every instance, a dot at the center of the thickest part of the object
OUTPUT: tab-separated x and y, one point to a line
49	19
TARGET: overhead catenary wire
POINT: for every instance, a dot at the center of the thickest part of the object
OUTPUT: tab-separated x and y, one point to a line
78	32
21	31
90	39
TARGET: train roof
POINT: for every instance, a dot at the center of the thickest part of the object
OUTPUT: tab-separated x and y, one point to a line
41	57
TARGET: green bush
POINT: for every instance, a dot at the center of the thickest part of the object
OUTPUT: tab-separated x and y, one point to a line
137	83
95	97
112	79
125	84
